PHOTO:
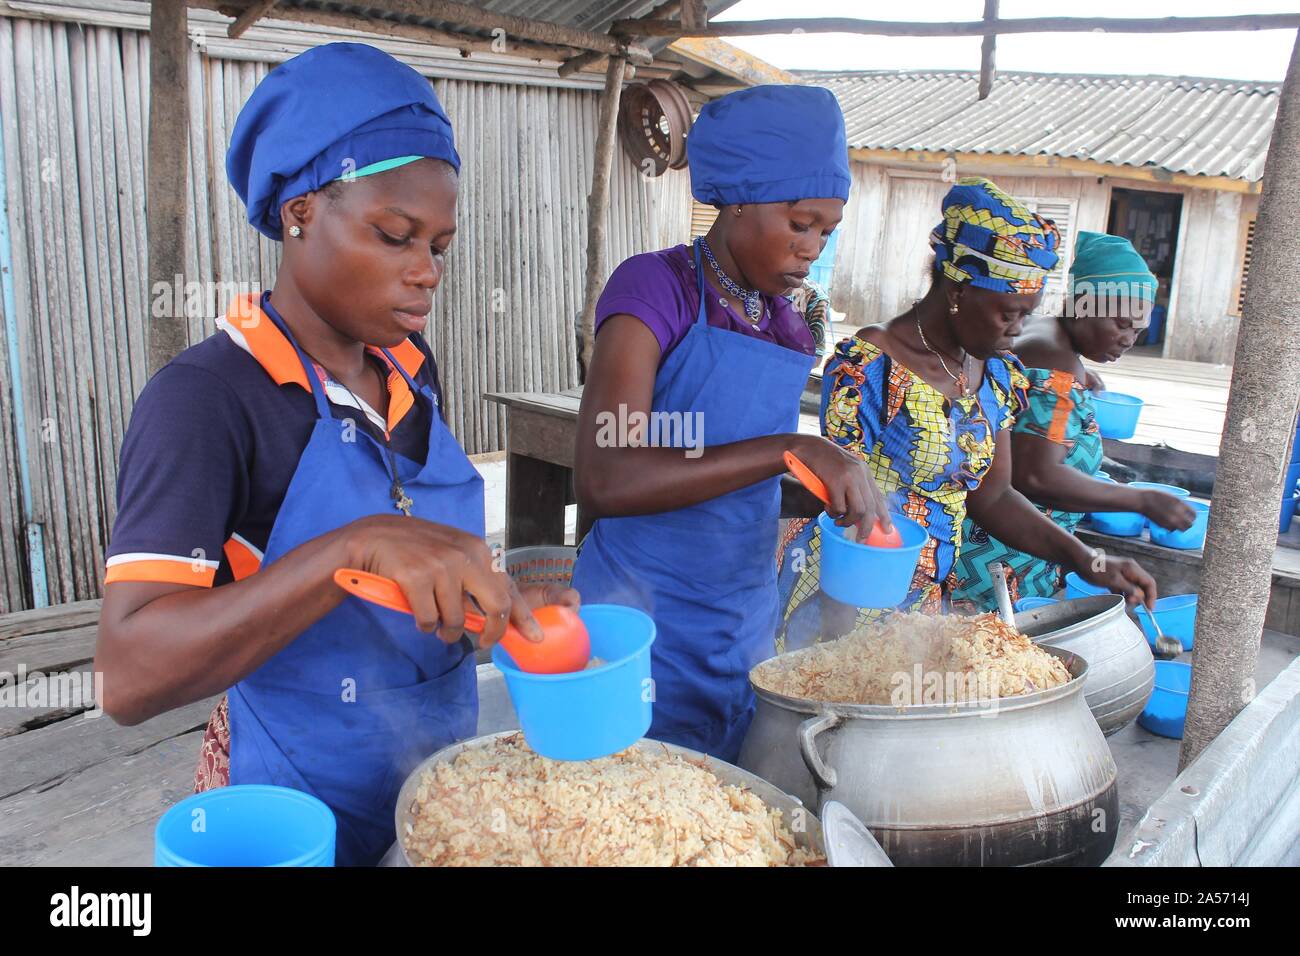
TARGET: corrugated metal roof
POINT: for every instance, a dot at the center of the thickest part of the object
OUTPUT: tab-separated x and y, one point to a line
594	15
1191	125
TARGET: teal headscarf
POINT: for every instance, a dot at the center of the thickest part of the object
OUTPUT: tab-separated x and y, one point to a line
1105	263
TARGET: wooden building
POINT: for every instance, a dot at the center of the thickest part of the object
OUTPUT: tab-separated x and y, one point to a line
1173	163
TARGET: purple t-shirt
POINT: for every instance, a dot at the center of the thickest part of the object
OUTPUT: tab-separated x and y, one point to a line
659	288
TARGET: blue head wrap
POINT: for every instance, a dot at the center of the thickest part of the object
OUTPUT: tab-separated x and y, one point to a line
1103	262
338	110
769	144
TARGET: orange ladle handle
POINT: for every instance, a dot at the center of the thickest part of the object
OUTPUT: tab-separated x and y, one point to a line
807	478
386	592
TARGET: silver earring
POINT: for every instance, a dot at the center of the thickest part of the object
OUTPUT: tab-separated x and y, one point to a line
952	309
295	231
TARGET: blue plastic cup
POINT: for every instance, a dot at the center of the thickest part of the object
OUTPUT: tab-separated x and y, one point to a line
864	575
1192	538
1116	413
1120	524
1167	489
591	713
1166	709
1176	616
246	825
1077	587
1029	603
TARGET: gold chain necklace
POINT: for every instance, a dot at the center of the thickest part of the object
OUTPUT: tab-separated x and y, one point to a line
960	381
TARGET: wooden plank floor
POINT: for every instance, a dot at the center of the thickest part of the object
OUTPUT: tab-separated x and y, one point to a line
1185	401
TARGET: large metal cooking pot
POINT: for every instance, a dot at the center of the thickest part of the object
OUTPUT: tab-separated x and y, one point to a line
1024	780
1121	670
804	826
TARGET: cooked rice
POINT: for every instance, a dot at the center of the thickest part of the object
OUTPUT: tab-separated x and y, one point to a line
974	658
503	805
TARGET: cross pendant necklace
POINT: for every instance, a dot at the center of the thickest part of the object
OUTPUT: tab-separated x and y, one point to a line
401	500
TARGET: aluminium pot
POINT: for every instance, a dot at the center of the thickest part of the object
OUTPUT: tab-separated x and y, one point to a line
1025	780
1121	670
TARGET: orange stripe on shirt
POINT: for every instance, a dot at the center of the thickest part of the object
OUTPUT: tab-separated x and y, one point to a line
243	562
1060	383
162	572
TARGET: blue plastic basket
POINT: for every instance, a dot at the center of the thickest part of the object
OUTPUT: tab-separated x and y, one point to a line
1121	524
1192	538
246	825
1176	615
1166	709
864	575
1117	414
1167	489
1029	603
1077	587
1287	513
591	713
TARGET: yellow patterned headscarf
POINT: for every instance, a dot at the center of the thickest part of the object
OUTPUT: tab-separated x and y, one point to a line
992	241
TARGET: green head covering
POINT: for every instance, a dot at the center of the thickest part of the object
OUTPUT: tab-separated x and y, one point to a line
1109	264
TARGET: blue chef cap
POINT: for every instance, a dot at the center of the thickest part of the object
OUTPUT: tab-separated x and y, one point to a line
338	110
769	144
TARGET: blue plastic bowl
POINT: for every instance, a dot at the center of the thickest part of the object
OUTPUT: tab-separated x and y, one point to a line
1117	413
1288	512
1167	489
1176	615
1192	538
246	825
1166	710
1104	476
1291	479
593	713
1121	524
1029	603
1077	587
864	575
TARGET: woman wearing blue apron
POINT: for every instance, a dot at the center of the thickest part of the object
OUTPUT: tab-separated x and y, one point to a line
692	399
304	436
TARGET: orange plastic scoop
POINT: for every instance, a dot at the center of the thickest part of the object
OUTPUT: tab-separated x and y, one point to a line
878	538
565	645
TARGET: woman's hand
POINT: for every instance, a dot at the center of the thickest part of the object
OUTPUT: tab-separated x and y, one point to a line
1122	576
537	595
1169	511
438	569
1093	381
855	498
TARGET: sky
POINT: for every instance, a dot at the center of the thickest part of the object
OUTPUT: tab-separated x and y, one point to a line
1245	55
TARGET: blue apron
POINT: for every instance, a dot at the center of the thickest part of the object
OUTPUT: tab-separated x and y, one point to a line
707	573
347	710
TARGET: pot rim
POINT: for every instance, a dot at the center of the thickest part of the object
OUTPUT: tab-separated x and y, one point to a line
1077	666
1112	606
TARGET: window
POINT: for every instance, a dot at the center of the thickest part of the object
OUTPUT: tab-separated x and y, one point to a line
1061	212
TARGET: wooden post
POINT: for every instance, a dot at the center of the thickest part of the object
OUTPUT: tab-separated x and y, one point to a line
1237	571
167	188
598	205
988	47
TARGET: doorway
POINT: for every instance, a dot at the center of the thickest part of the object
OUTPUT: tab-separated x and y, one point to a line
1150	221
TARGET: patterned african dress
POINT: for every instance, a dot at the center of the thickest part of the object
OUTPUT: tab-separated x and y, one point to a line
1059	409
926	451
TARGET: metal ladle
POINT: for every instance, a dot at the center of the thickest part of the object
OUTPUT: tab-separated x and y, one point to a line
1167	648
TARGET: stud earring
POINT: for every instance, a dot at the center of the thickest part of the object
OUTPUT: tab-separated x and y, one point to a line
952	308
295	231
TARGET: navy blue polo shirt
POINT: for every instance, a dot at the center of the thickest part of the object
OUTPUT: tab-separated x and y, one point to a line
215	439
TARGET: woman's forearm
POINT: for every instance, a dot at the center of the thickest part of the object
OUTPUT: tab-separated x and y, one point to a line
189	644
1015	522
640	480
1067	489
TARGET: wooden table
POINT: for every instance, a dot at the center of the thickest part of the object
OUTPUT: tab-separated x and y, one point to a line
541	430
79	790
